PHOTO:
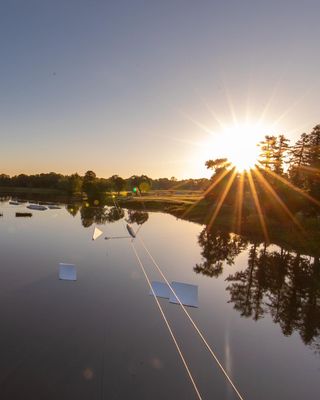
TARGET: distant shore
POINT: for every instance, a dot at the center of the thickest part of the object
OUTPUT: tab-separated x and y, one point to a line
41	193
191	206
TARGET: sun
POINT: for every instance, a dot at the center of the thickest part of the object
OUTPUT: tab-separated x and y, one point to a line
239	144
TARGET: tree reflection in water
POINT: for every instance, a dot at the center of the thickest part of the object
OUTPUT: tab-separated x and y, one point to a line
99	215
218	248
138	217
278	282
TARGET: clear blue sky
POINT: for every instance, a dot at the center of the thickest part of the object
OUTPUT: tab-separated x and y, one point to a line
116	86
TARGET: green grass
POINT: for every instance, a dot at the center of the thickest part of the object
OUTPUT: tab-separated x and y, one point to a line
193	208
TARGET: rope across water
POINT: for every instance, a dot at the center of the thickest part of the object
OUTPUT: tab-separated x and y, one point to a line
197	329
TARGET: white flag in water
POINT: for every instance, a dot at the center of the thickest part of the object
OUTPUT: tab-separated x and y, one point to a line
187	294
67	272
96	233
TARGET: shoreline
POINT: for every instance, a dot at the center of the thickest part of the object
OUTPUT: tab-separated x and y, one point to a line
192	207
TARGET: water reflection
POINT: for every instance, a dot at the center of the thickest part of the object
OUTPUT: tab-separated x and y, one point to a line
285	285
262	281
218	247
138	217
90	214
278	282
73	209
100	215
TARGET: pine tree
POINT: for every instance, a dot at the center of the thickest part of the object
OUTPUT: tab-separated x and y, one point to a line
313	162
267	151
281	148
298	159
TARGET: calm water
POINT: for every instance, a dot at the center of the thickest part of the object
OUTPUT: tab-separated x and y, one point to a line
102	336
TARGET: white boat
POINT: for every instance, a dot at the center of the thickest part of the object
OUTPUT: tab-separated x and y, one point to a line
14	203
36	207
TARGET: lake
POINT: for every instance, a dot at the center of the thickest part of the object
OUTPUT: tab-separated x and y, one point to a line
102	336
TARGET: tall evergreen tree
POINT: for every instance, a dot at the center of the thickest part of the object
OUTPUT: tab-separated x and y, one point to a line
281	148
267	152
313	162
298	158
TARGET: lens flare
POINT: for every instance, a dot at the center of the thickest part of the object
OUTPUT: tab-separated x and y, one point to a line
240	146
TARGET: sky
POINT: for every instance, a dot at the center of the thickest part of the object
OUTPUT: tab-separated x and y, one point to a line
151	87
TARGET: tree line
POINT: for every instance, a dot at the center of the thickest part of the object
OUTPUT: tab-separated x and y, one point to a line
90	183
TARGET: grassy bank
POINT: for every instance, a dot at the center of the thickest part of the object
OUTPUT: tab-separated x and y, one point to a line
284	233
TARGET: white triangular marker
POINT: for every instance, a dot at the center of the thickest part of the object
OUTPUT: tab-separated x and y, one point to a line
96	233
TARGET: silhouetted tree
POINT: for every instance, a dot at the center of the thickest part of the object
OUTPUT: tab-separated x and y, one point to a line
313	162
219	165
267	151
217	248
118	183
142	183
280	154
298	158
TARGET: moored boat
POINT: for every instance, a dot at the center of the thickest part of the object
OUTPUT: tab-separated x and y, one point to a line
36	207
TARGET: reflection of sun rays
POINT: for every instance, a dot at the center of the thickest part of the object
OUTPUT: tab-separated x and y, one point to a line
239	203
222	199
266	186
258	206
210	188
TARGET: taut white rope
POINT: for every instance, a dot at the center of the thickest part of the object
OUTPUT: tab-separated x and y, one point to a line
187	314
168	325
192	321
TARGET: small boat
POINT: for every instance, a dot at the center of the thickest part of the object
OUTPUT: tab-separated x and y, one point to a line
14	203
36	207
23	214
54	207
